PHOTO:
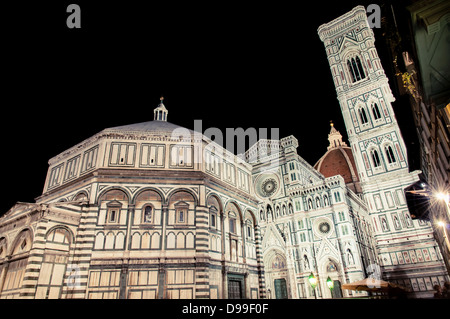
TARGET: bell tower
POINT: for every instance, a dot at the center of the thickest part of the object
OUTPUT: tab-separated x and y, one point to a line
379	151
364	96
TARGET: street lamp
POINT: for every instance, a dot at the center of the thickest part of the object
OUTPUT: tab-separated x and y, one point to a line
330	285
313	282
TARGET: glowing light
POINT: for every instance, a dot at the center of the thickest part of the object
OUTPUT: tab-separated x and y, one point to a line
312	280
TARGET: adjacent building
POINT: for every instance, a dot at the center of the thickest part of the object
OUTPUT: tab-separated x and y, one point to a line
417	40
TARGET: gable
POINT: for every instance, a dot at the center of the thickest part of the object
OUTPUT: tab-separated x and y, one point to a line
272	237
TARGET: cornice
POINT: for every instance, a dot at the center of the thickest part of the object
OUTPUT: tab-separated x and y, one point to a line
342	24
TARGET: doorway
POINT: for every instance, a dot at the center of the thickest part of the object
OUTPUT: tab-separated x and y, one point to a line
280	288
235	286
337	290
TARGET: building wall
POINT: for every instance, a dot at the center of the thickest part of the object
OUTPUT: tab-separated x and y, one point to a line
422	69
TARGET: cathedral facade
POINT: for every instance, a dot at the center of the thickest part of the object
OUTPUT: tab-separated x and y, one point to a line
153	210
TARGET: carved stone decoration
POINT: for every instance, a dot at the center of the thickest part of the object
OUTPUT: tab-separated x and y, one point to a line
267	185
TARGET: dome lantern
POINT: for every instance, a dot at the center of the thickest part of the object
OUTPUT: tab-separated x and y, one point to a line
160	113
335	138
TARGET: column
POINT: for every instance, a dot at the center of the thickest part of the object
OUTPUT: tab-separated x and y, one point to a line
35	260
202	289
243	242
259	259
80	254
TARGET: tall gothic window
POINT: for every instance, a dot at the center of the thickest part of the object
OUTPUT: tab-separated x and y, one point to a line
375	158
363	116
350	69
355	69
376	111
360	68
390	154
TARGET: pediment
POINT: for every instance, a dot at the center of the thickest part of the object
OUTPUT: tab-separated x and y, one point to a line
327	249
345	42
272	238
20	208
114	203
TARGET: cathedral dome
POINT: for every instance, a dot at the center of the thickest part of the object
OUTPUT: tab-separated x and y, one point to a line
147	127
338	160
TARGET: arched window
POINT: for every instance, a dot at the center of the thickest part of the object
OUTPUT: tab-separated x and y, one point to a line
375	158
376	111
325	200
317	202
355	69
350	69
310	203
390	154
269	212
360	68
363	116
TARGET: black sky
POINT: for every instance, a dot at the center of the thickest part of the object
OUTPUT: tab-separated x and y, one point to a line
258	65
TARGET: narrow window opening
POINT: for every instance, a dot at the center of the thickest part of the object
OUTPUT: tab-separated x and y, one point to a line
375	158
355	69
351	71
112	216
390	155
363	116
376	111
360	68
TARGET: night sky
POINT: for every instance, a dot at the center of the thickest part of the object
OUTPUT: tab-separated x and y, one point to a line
230	65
